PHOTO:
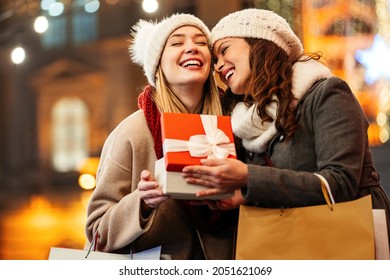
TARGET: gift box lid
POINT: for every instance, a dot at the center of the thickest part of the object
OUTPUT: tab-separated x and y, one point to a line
187	138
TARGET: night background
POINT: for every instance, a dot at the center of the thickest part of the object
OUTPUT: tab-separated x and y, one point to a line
66	81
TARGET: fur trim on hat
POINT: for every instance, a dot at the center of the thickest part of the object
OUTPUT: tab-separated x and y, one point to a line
149	39
261	24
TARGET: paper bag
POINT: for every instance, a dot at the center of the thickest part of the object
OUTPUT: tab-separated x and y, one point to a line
308	233
75	254
381	238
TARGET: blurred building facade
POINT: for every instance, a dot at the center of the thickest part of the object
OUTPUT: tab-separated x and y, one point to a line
60	104
77	82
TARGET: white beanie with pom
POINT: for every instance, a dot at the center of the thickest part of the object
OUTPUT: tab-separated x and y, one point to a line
149	39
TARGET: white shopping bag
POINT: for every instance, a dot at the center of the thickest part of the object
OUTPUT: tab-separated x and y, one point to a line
380	231
75	254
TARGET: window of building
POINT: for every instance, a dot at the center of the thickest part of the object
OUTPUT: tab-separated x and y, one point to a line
55	36
84	25
70	130
71	28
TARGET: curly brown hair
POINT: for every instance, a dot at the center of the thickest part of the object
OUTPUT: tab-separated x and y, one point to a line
271	76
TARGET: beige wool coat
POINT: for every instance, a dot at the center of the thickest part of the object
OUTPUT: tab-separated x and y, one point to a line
114	206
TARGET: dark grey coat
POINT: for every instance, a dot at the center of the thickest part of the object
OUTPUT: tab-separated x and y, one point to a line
331	140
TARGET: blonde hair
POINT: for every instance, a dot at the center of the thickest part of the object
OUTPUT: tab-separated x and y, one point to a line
167	101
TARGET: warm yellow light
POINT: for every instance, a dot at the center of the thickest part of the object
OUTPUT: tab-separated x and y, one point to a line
381	118
373	134
384	97
384	135
43	221
89	165
87	181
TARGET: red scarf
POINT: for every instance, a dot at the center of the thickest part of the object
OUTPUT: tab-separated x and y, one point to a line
204	219
152	116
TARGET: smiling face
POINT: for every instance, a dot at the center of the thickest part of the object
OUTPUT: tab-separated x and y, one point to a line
232	63
186	58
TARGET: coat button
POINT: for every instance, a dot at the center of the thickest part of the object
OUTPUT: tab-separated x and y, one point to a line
250	155
375	175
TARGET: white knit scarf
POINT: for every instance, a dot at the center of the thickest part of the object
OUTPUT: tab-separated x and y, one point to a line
247	124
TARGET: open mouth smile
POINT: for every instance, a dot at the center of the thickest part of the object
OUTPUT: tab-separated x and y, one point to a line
229	74
191	62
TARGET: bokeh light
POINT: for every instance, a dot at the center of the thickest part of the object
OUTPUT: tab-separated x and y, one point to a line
150	6
18	55
41	24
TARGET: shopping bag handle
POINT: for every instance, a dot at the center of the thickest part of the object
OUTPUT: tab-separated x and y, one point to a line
326	191
93	246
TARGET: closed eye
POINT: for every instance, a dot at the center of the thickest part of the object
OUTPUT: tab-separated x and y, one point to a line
223	50
174	44
201	43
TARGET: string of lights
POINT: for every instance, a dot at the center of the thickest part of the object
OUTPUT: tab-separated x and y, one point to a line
42	10
57	7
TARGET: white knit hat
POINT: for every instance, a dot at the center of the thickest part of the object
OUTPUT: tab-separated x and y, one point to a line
262	24
149	39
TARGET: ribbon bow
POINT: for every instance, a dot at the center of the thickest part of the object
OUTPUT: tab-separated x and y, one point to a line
214	144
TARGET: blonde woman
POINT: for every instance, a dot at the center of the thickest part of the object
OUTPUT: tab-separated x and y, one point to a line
125	212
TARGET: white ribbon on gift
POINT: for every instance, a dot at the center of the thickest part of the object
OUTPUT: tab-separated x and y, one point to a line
214	144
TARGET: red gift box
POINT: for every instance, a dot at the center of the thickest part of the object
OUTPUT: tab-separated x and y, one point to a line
187	138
